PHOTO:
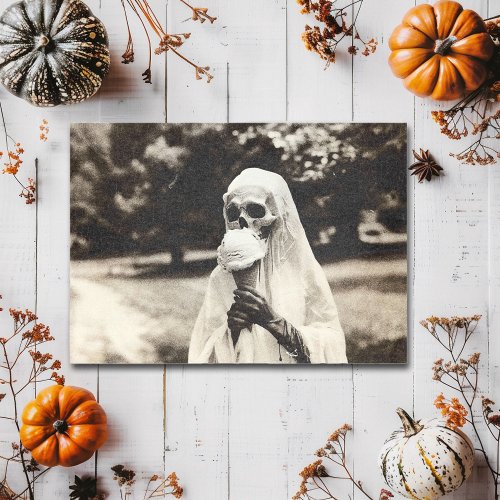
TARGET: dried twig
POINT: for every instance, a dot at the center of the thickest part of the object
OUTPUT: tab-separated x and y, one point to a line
167	41
23	343
461	374
325	39
14	155
316	479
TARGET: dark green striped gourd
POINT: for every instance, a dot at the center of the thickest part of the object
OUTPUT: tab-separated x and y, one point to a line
425	460
52	51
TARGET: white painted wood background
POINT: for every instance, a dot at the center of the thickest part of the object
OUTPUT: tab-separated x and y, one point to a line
244	433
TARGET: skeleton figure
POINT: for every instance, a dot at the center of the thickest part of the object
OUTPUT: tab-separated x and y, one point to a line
251	207
290	316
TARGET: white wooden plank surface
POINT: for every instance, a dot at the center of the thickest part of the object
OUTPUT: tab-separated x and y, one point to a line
17	261
133	394
451	255
197	401
321	399
378	391
245	433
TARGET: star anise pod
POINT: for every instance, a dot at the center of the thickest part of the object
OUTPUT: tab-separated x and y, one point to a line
425	167
85	488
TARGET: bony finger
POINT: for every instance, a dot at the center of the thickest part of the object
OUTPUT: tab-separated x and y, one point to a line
247	308
237	306
249	289
242	296
245	297
238	324
239	313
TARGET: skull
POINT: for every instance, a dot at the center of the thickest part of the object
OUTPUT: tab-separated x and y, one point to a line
252	207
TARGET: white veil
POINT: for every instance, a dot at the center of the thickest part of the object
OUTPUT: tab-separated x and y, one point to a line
292	281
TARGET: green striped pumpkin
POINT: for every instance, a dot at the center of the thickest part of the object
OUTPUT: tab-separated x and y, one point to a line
425	460
52	51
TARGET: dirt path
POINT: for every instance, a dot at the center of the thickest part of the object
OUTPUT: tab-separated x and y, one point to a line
105	329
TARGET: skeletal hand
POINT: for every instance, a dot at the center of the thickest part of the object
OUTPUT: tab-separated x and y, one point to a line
238	319
254	306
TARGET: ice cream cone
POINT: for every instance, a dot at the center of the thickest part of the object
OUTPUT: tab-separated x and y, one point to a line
240	252
247	277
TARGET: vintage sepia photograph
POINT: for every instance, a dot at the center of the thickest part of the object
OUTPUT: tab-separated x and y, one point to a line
238	243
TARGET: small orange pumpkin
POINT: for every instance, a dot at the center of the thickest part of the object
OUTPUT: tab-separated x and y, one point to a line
63	426
441	51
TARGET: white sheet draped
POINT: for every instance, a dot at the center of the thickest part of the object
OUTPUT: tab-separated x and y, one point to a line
291	280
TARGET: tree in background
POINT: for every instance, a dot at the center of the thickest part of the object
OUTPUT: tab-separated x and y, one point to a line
152	187
337	170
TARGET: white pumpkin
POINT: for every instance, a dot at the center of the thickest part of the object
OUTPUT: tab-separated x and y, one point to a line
425	460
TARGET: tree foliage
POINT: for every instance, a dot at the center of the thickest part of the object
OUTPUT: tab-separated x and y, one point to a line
153	187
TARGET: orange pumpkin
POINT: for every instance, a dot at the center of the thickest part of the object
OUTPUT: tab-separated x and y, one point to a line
441	51
63	426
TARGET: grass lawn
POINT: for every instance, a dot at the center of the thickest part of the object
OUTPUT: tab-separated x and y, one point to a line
158	310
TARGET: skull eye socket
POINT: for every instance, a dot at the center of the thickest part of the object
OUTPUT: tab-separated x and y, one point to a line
256	211
232	213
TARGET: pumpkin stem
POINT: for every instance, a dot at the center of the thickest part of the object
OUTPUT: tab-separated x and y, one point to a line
409	425
44	43
443	46
60	426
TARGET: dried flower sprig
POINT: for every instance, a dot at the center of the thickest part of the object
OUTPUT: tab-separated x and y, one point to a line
491	417
453	411
44	130
167	41
324	39
166	487
23	343
425	167
14	159
315	479
461	374
123	476
478	113
200	13
169	486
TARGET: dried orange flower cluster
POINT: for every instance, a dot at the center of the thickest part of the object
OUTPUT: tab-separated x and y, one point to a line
169	486
451	327
14	162
123	476
168	42
491	417
173	482
324	40
315	478
29	339
440	368
20	350
28	191
453	411
336	435
200	13
316	469
44	130
14	156
460	373
477	114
